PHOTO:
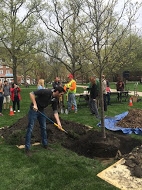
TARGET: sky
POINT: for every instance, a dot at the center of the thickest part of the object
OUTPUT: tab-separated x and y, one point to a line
138	22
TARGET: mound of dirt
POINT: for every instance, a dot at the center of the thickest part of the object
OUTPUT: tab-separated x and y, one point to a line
132	120
80	139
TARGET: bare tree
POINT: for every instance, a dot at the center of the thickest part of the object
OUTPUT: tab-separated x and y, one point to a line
105	34
65	39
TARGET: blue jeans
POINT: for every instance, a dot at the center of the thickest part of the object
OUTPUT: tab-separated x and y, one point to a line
93	107
32	116
72	101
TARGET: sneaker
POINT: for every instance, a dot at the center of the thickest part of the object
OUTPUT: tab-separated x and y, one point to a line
18	110
14	111
1	114
66	111
28	153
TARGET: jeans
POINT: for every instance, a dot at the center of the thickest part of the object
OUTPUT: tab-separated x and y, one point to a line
93	107
32	116
16	101
72	101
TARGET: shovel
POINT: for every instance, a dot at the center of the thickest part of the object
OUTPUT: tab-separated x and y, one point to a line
74	136
53	122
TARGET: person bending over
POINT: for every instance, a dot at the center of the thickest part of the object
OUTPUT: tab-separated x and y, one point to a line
40	100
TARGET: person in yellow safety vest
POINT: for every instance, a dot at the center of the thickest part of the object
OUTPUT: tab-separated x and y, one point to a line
70	88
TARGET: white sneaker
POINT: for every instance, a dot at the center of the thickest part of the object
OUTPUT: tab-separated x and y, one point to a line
18	110
14	111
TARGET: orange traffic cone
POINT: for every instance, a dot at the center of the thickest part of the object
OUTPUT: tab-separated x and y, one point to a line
72	107
11	111
130	102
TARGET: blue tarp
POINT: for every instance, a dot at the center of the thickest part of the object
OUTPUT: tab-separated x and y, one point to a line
110	124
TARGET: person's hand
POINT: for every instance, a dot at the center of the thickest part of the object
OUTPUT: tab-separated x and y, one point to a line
35	108
60	127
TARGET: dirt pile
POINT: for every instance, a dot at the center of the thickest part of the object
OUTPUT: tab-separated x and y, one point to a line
134	161
132	120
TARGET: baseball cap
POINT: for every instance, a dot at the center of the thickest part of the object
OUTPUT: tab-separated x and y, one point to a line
70	76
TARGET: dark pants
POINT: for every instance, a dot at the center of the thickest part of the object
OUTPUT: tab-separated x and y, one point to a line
16	102
119	96
1	103
108	98
93	106
105	102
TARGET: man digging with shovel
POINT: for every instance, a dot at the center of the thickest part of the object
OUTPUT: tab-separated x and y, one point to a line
40	100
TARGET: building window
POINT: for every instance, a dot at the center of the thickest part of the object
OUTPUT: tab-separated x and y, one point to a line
7	71
1	71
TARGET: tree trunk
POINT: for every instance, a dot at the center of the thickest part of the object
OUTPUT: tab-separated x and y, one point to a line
14	59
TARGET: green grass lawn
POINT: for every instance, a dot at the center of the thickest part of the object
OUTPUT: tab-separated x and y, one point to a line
57	169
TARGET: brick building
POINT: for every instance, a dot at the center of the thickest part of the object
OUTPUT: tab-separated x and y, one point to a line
6	73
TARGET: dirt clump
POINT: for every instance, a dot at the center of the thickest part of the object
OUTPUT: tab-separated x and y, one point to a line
133	161
80	139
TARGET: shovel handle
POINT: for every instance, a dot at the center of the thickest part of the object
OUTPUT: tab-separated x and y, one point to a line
52	122
60	127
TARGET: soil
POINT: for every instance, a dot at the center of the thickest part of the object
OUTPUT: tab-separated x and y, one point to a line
84	140
132	120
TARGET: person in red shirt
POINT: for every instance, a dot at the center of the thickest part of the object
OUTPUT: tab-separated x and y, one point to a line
15	96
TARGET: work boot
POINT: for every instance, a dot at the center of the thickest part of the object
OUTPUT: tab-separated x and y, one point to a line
47	147
28	152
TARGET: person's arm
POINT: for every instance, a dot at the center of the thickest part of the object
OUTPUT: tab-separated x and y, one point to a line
56	115
32	97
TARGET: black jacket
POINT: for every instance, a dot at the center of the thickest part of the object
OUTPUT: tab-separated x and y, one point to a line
93	91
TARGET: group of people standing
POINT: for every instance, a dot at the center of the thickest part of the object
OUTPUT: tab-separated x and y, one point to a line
9	92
